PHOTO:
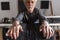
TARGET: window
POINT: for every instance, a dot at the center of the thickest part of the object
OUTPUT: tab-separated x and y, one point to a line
5	6
44	4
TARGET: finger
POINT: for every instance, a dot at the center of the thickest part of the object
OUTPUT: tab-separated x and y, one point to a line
40	30
44	31
11	34
7	34
15	36
14	32
50	33
17	32
20	28
47	33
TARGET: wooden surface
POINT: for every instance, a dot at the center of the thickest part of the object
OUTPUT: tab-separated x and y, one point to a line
1	37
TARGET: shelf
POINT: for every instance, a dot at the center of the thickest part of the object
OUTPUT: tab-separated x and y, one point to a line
9	25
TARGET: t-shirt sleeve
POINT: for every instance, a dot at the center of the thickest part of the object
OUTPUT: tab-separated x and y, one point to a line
42	18
20	17
40	15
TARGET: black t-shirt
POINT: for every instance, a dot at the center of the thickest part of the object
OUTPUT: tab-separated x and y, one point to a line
31	19
34	17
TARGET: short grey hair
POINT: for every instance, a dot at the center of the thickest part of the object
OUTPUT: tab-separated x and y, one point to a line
25	1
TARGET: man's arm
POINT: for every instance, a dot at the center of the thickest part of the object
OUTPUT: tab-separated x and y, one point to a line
47	30
13	32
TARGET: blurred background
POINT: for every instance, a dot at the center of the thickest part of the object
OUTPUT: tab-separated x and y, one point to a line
10	8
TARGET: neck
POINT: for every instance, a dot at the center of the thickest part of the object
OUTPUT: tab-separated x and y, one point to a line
30	11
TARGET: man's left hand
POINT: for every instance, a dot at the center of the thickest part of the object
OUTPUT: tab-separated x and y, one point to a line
48	32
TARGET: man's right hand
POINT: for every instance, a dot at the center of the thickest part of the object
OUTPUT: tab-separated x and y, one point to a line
13	32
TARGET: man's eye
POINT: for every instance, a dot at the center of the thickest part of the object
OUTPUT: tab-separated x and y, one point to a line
32	2
28	2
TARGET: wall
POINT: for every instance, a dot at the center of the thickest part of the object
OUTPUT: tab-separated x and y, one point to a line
46	12
13	9
56	7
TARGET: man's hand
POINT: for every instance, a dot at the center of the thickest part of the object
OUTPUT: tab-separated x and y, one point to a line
48	32
13	32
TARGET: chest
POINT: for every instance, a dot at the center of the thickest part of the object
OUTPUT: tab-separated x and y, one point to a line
30	18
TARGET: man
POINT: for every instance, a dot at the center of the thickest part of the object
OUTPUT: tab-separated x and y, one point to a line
31	17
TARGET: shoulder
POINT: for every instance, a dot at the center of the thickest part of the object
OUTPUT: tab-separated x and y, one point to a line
36	10
20	16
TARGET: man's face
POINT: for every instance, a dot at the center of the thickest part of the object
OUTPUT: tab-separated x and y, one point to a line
30	5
